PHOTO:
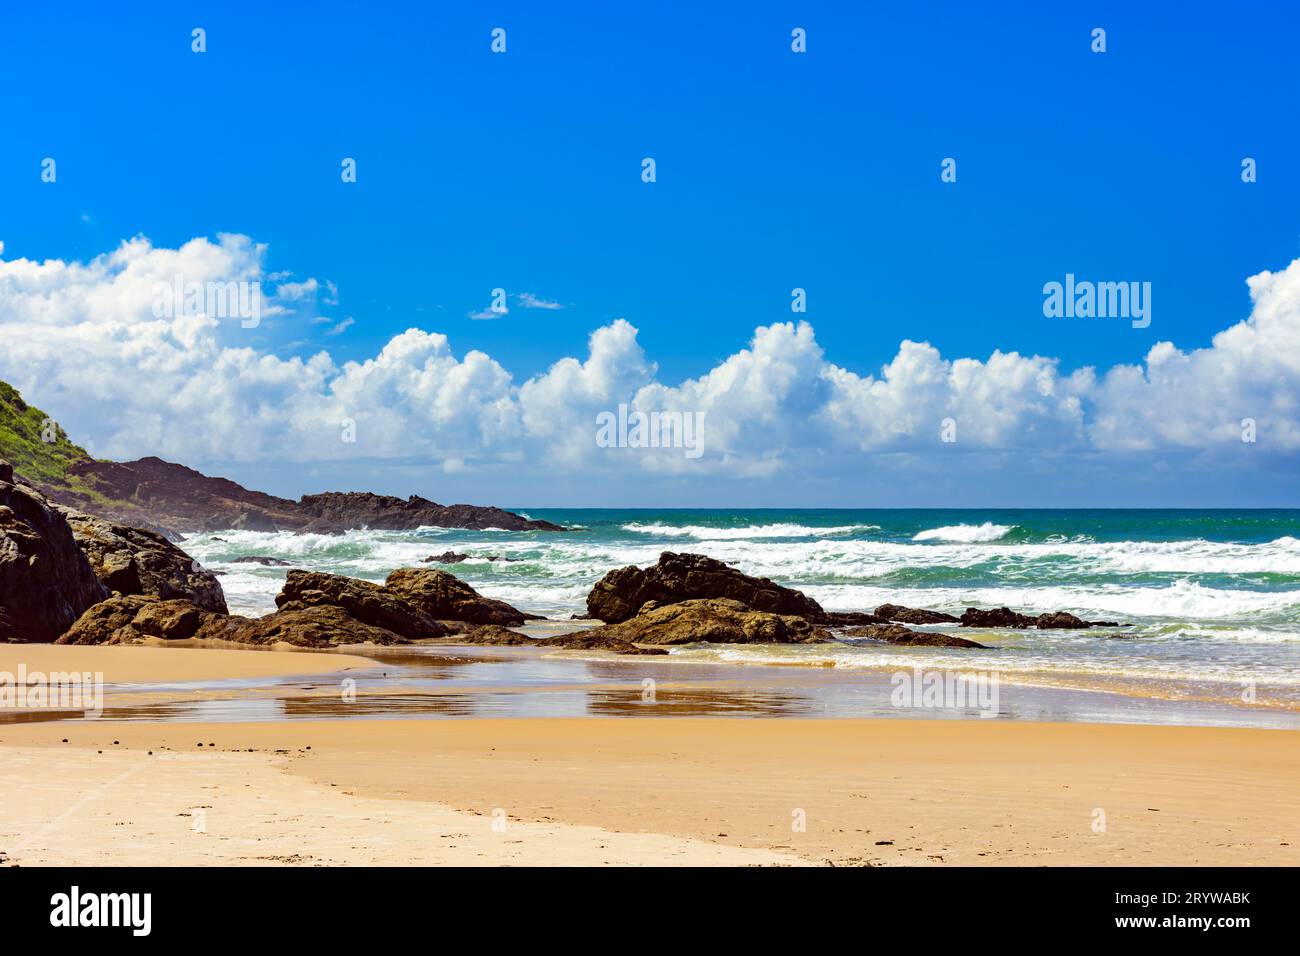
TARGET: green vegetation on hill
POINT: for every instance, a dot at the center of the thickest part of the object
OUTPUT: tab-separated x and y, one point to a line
24	430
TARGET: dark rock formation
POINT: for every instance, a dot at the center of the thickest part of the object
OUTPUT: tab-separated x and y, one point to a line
1064	620
714	621
593	640
170	497
912	615
621	593
444	596
897	634
334	511
368	603
263	560
45	581
849	619
997	617
491	634
1005	617
137	561
455	557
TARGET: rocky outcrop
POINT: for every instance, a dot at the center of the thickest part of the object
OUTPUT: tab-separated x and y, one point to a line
997	617
620	594
594	641
1064	620
488	634
371	604
131	619
319	626
262	559
171	497
714	621
913	615
137	561
444	596
46	583
1005	617
897	634
456	557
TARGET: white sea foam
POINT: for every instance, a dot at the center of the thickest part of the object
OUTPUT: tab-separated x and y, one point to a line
706	533
988	531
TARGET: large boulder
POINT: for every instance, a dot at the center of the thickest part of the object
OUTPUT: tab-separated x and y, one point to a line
322	626
444	596
366	602
45	581
132	618
905	636
620	594
137	561
713	621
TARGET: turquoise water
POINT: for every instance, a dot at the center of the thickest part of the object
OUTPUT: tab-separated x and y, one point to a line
1212	598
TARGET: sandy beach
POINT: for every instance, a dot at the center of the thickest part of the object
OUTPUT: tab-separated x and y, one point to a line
657	790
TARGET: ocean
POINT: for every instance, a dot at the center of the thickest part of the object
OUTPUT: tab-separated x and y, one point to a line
1210	599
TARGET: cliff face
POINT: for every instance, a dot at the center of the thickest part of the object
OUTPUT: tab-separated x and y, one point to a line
174	500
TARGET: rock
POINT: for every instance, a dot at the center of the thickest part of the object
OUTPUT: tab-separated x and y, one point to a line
137	561
263	560
444	596
334	512
130	619
46	583
897	634
849	619
912	615
175	499
491	634
1060	619
321	626
998	617
592	641
365	601
447	557
713	621
620	594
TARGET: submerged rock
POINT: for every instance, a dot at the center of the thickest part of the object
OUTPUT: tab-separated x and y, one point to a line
913	615
263	560
594	641
997	617
490	634
897	634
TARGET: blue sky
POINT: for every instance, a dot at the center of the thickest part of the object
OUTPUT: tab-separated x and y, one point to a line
775	170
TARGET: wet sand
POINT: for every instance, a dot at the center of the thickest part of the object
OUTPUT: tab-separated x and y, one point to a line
142	664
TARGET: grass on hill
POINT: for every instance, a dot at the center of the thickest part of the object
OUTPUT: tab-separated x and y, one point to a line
39	449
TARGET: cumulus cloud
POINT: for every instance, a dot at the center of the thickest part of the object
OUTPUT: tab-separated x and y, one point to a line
83	341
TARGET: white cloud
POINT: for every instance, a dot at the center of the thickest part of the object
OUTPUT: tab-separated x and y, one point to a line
81	340
527	300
